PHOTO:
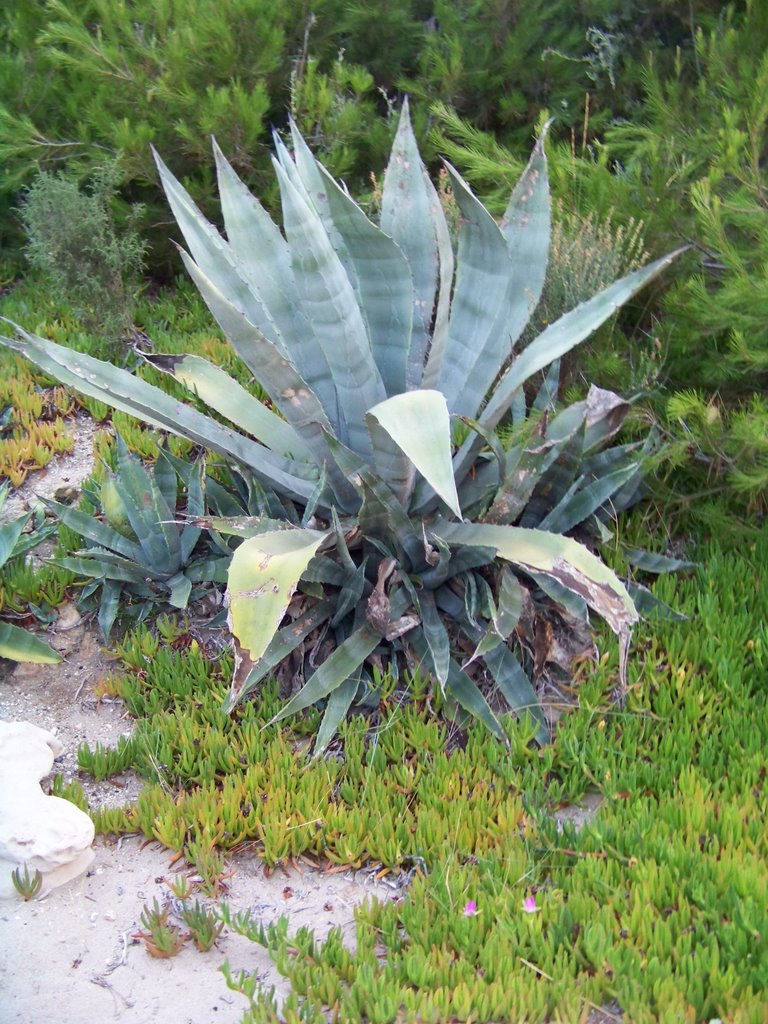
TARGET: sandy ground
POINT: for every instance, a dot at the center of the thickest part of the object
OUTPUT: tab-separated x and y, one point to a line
73	955
62	477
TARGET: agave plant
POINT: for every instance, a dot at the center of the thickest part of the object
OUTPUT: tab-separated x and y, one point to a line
135	552
379	347
16	643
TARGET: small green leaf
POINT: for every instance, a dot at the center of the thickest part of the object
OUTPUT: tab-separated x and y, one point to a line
516	688
19	645
436	636
647	561
108	608
341	665
577	505
180	587
282	644
335	710
91	529
651	606
150	517
9	535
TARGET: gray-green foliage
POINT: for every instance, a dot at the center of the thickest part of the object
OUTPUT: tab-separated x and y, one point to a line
84	260
370	340
136	555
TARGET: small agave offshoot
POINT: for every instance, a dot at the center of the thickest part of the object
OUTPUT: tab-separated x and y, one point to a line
380	544
136	556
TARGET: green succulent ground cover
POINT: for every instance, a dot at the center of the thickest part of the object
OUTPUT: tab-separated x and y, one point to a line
660	902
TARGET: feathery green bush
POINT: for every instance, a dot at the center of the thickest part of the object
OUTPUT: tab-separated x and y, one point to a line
81	80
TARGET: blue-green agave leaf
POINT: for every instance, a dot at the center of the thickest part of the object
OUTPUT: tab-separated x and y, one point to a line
216	259
336	708
648	561
651	606
411	214
460	686
263	576
474	349
577	505
566	332
9	535
122	390
284	642
150	517
561	558
436	636
219	391
526	230
516	688
91	529
180	587
109	606
164	478
374	263
263	257
329	301
342	664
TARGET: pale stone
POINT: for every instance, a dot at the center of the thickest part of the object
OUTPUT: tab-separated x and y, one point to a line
45	833
69	617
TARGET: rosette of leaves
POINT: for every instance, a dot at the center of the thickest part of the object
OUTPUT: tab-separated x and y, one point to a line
387	539
136	556
16	643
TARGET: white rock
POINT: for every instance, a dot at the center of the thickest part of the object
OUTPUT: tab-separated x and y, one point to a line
45	833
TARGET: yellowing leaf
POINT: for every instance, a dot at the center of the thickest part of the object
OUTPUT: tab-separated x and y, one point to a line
262	578
418	423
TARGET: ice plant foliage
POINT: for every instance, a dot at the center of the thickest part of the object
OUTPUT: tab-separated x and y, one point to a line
380	543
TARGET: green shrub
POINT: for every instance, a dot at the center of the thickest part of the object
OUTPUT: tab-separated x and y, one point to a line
83	78
337	113
697	160
692	161
83	259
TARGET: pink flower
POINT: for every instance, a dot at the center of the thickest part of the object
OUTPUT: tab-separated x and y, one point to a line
470	908
529	905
